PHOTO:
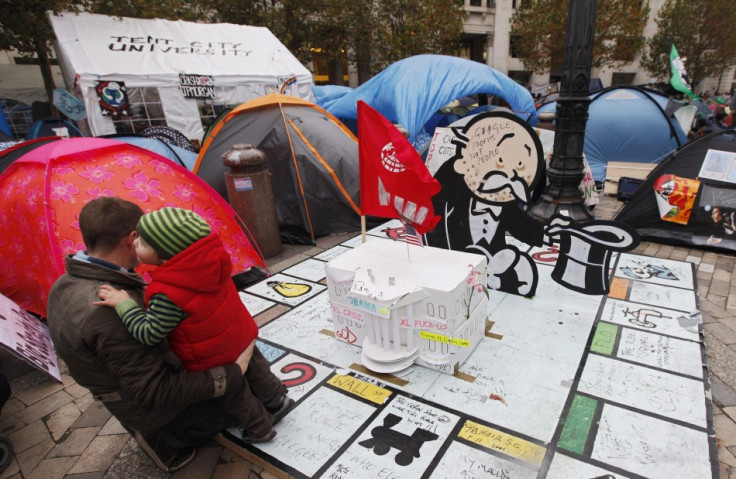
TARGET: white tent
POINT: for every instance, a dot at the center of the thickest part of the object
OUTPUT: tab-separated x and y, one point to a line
161	61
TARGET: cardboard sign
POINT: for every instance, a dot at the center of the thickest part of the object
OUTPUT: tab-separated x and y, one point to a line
27	337
197	86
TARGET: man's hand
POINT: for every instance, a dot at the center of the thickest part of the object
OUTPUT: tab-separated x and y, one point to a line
245	356
110	296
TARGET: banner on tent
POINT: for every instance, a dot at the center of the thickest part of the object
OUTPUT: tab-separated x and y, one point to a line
113	98
197	86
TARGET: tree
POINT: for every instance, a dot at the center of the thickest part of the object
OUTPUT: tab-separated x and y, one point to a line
25	28
702	32
538	32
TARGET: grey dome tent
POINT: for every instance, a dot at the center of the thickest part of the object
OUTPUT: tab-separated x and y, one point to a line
312	157
711	160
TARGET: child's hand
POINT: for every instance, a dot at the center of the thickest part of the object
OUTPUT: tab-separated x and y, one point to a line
110	296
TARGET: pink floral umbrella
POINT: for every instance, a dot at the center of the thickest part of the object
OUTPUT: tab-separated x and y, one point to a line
43	191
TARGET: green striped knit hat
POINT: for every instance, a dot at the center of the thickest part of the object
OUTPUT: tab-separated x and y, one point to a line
170	231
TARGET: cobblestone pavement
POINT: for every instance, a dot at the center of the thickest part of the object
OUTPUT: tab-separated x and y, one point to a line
59	431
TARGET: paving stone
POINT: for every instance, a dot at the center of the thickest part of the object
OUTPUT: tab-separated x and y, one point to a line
723	395
714	310
679	254
692	259
706	267
32	457
233	470
76	391
702	291
52	468
84	402
729	322
100	454
90	475
726	471
112	426
75	442
13	471
717	300
203	465
731	302
725	455
10	424
35	394
95	415
719	287
720	265
725	430
12	406
60	420
725	334
133	463
44	407
722	275
29	436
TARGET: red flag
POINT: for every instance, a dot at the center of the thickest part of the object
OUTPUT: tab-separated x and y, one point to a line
394	181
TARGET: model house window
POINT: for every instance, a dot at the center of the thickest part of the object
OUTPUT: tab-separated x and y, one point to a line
145	110
430	310
443	311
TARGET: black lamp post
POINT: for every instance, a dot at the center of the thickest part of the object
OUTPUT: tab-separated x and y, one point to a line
566	164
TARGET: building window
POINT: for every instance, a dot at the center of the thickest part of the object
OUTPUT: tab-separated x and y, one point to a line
513	48
476	3
145	110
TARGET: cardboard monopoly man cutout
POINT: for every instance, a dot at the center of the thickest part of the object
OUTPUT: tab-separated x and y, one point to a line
486	192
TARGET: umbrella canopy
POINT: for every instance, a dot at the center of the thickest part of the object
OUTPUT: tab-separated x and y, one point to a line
43	191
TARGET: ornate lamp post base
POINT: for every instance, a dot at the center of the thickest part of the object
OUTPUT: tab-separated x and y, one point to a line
565	172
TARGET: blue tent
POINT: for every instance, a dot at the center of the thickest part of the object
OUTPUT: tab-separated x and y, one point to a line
410	91
174	153
628	123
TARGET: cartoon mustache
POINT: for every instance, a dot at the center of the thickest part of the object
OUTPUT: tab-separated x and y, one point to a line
497	180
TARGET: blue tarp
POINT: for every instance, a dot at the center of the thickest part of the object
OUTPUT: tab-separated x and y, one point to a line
627	124
326	95
410	91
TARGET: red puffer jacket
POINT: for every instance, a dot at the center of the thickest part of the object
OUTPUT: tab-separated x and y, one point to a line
218	326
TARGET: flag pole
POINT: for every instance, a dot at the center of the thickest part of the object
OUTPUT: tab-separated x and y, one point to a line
362	228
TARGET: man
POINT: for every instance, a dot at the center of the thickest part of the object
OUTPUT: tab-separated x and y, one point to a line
167	409
498	164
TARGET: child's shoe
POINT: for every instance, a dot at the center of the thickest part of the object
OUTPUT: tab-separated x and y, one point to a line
278	412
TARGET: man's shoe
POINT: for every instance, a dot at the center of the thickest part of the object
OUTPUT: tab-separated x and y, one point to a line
240	434
278	413
167	458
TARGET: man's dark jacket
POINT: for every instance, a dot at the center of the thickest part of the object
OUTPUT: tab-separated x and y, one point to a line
142	386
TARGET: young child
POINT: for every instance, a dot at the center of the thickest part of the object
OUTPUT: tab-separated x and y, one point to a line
193	302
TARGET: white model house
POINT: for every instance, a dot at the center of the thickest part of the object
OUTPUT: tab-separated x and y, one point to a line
405	304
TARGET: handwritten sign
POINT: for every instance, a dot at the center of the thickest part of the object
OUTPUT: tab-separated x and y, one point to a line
463	343
360	388
69	105
502	442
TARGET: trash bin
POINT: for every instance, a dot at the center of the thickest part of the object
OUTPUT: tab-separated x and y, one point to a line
249	189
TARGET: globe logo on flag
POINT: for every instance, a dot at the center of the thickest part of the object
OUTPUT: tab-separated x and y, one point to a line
389	160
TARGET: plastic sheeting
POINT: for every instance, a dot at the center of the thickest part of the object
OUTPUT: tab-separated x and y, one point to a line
410	91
